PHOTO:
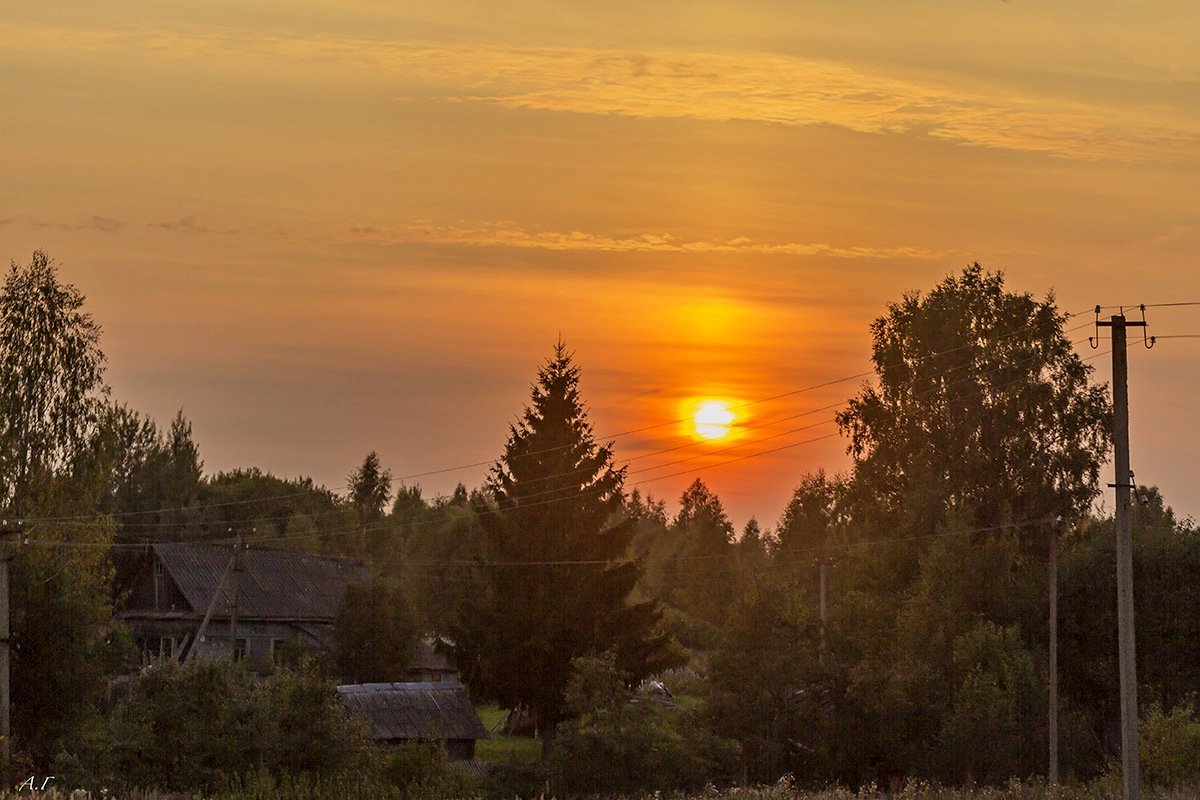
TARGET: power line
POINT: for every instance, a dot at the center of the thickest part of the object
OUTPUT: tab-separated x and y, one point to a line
321	490
806	552
551	500
826	384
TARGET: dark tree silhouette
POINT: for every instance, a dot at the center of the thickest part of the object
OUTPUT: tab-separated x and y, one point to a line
556	582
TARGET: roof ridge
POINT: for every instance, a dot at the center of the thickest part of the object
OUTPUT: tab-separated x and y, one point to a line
251	547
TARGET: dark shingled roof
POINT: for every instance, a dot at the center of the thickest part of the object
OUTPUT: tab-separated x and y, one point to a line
426	658
431	711
274	584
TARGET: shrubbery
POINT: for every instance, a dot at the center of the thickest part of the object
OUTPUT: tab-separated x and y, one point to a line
207	722
621	741
1170	746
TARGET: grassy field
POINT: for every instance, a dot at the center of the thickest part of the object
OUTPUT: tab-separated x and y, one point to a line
501	749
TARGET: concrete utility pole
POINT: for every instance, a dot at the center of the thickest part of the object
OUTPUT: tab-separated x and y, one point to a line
823	564
8	529
233	607
1127	652
1052	773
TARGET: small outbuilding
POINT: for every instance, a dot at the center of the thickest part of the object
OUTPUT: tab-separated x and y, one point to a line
417	712
429	665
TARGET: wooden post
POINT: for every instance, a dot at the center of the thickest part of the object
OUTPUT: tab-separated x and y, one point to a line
190	652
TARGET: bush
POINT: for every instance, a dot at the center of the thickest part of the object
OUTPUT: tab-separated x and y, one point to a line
422	769
205	723
618	741
1170	746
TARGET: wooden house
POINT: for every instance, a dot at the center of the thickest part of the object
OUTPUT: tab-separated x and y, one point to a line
284	600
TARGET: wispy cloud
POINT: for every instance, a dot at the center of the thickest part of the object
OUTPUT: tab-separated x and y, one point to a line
105	224
186	225
749	86
503	234
797	91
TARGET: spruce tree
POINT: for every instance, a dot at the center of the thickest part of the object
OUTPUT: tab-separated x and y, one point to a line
556	578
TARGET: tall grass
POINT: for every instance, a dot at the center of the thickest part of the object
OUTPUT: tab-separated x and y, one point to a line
305	788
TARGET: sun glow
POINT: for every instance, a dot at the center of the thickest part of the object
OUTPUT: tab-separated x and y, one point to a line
712	419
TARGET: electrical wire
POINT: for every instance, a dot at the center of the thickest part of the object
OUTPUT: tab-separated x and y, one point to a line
525	506
768	423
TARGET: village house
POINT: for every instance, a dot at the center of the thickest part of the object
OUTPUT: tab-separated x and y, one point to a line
282	599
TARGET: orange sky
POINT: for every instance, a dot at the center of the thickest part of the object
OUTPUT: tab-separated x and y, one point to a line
324	228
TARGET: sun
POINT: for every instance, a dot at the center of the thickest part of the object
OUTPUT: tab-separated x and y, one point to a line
712	419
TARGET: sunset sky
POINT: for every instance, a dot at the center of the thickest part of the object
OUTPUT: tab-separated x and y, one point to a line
323	228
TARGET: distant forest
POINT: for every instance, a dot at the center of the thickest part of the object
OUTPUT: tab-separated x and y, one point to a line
892	623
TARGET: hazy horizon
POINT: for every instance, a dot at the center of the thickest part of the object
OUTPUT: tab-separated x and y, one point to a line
324	229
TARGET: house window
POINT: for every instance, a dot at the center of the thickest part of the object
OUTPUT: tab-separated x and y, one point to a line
158	647
240	648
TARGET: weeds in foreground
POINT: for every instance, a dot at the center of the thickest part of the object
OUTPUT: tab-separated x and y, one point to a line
785	789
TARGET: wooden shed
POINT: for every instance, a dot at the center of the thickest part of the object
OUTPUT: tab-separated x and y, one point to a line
417	712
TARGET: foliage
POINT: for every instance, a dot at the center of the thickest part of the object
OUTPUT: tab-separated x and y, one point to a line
556	583
752	552
52	392
701	567
296	511
807	524
52	400
422	769
150	479
65	640
369	787
1170	746
767	688
618	740
1167	600
374	632
982	408
370	488
436	553
202	724
991	728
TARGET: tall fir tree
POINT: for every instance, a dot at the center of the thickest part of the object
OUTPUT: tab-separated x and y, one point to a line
556	574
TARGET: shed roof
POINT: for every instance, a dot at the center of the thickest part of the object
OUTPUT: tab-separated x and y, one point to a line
426	658
273	584
429	711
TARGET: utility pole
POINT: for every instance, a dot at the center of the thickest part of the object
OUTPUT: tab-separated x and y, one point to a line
823	565
1127	652
233	606
1052	773
7	529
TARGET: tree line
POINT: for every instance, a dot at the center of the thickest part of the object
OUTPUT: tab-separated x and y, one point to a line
556	590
